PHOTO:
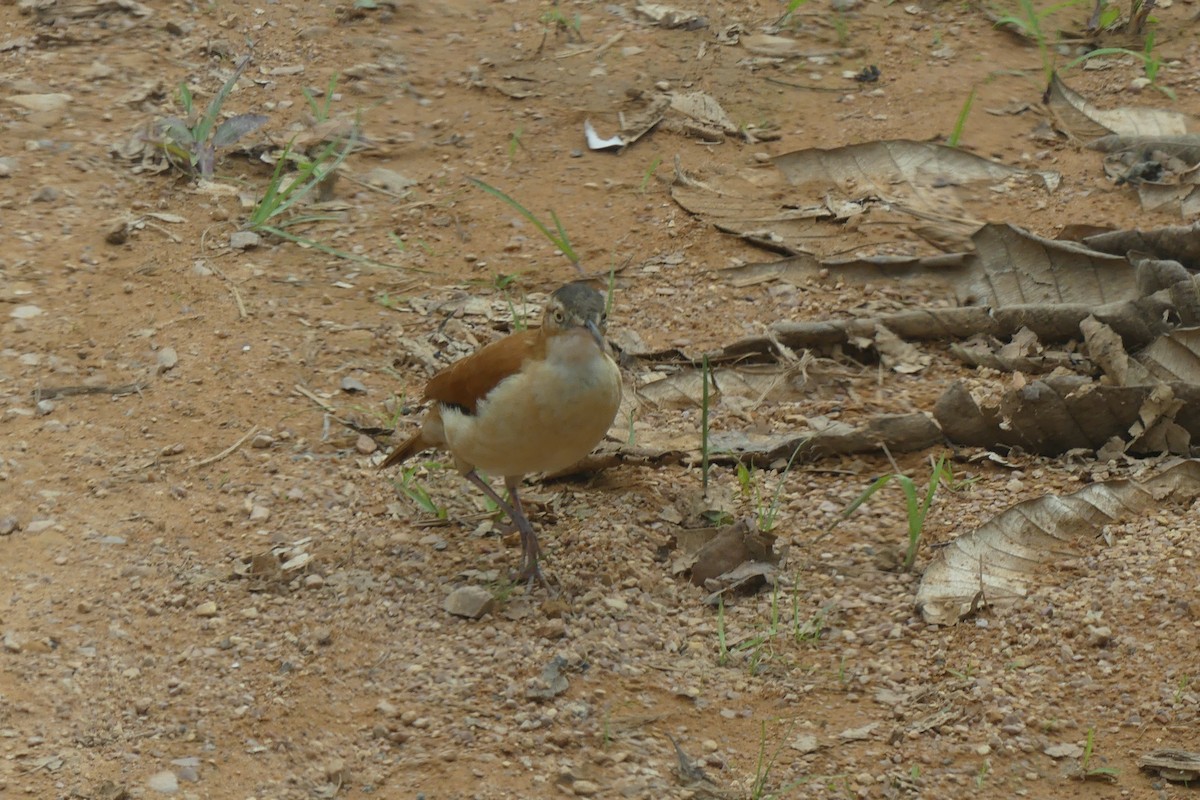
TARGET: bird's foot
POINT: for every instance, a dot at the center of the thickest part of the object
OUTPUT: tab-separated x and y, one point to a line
530	571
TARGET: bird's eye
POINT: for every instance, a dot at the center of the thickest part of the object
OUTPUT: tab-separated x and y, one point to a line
558	316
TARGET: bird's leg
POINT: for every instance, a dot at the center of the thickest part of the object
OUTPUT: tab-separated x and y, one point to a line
530	549
529	544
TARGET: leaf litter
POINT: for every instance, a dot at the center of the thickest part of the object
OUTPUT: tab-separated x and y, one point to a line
860	359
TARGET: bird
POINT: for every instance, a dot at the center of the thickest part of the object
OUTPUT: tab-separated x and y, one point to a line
537	400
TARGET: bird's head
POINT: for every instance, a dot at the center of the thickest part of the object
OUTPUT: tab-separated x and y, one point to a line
574	306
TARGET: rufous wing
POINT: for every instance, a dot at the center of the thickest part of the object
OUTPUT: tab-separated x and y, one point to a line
468	380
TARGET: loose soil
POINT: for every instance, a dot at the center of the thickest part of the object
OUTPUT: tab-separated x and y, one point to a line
154	640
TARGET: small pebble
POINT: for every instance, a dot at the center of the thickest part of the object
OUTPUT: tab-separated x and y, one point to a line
164	782
26	312
471	602
206	609
244	240
167	359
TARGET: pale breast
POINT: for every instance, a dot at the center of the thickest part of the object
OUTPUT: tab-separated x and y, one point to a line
544	418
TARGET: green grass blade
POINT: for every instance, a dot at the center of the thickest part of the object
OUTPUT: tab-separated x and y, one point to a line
562	244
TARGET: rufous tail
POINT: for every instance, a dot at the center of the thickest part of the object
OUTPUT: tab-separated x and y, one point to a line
415	444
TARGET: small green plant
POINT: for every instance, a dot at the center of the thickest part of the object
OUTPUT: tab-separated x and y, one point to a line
765	763
610	297
558	239
319	108
722	643
1105	16
191	142
960	123
917	507
840	28
286	190
792	7
760	646
402	245
964	674
1181	686
1086	771
387	301
414	491
553	17
765	513
707	376
982	774
811	628
515	143
1151	61
520	319
502	589
648	174
1027	19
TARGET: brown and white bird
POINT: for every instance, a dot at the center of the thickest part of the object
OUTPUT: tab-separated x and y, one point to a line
535	401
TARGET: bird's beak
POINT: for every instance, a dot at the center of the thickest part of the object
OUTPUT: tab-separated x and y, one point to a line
599	337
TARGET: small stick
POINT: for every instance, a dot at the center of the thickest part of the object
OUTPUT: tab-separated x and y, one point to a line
228	450
237	296
67	391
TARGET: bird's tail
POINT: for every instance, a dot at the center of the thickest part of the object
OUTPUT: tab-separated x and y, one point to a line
413	445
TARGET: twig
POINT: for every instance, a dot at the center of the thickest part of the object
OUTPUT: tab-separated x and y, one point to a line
598	49
228	450
237	296
791	85
67	391
328	409
147	223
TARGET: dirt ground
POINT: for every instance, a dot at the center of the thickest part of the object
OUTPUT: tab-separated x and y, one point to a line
155	639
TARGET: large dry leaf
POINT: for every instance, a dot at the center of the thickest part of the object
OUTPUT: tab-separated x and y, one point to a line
931	273
940	193
1084	122
1163	170
1138	321
1062	413
1022	353
685	388
1174	357
896	433
1015	267
1179	766
1186	148
1008	266
751	204
1173	243
934	183
901	433
1106	350
999	562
